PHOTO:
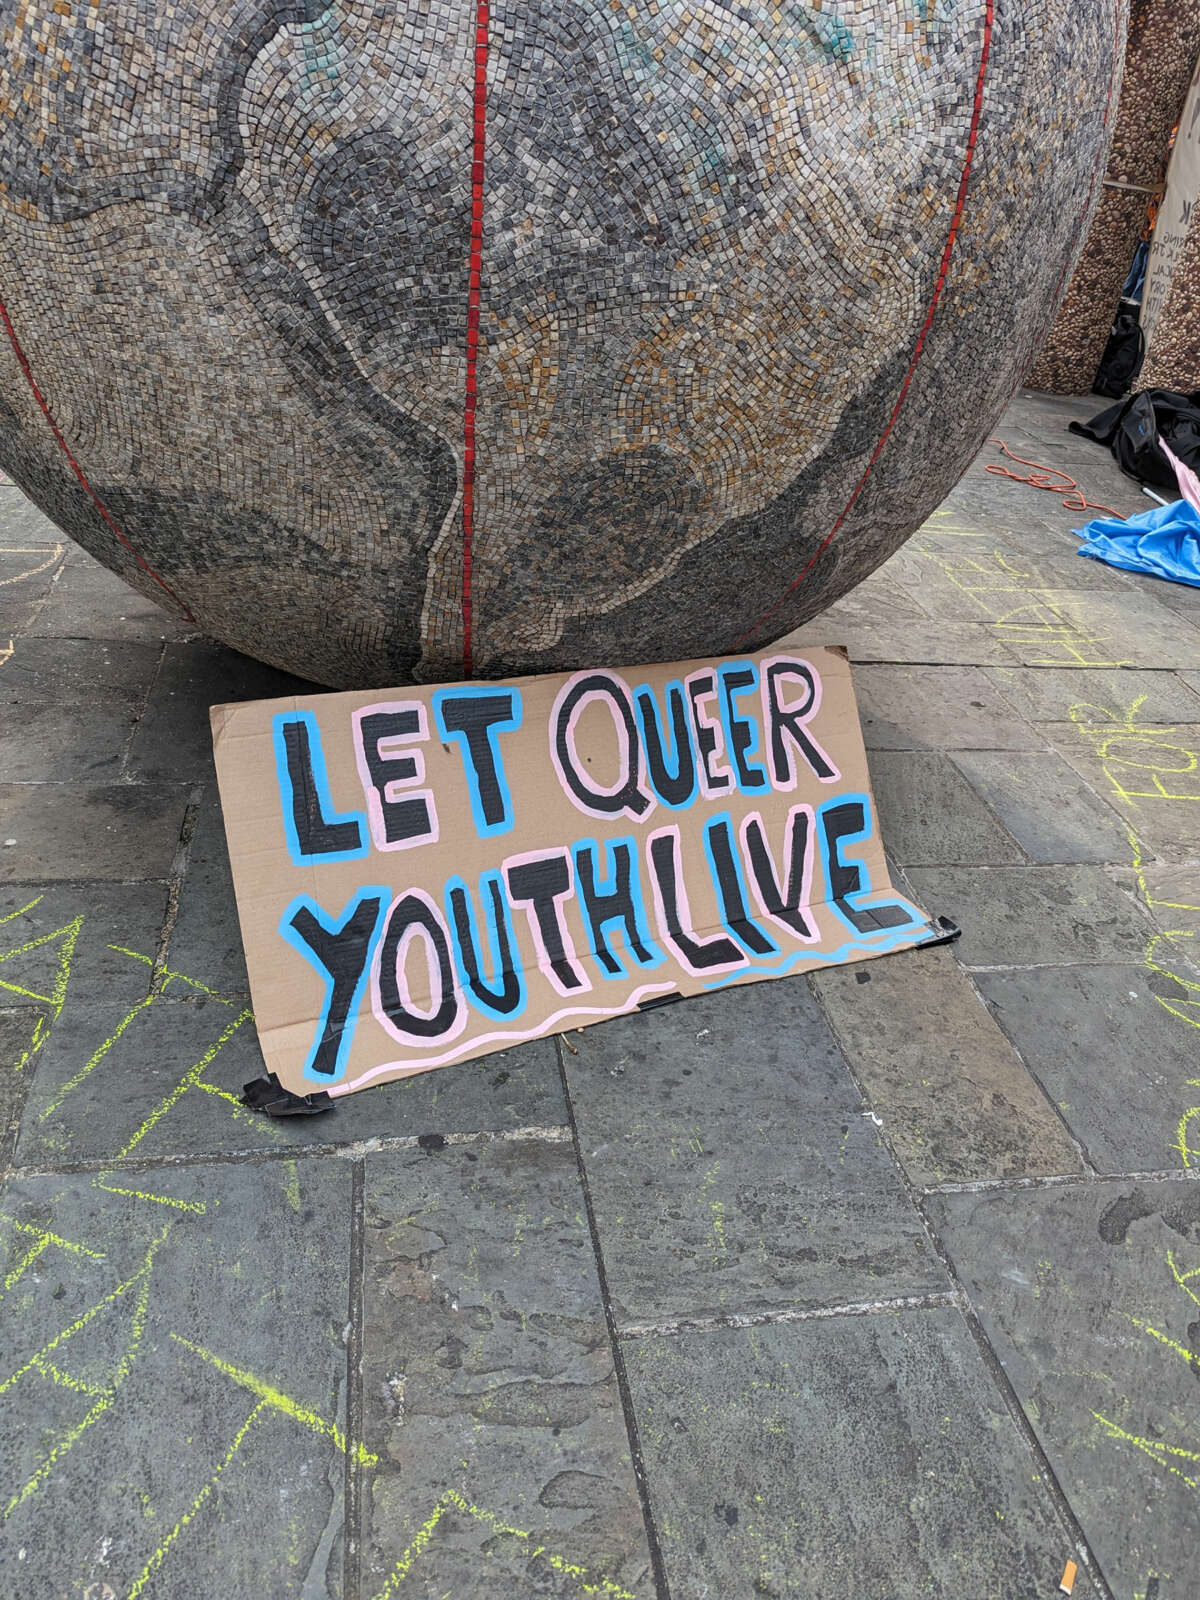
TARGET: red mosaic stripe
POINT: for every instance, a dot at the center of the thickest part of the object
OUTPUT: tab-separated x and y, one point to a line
939	286
23	363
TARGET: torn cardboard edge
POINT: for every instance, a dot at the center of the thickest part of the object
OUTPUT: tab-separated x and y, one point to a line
427	875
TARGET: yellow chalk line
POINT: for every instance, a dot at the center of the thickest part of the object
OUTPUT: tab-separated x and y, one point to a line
11	916
123	1368
90	1066
16	550
53	1238
278	1400
197	1206
26	1260
1181	1278
82	1321
169	976
1189	1356
602	1586
1155	1449
67	1380
159	1555
188	1081
57	998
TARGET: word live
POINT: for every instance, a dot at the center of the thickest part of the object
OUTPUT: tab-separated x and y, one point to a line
553	847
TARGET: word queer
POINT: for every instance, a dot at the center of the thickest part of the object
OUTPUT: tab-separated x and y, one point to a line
720	735
703	742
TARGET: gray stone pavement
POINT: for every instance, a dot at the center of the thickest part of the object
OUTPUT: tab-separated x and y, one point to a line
878	1285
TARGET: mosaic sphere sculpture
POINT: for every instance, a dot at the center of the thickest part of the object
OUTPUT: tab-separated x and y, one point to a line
389	340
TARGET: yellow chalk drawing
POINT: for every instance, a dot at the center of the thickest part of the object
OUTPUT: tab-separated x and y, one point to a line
1159	1452
1172	1344
1186	1004
279	1401
90	1066
994	584
52	1238
1162	1454
1125	746
196	1206
1184	1278
190	1080
55	556
291	1185
451	1499
168	977
40	1364
25	1262
57	998
42	1240
189	1516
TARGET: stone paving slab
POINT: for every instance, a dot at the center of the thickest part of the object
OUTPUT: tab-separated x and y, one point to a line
1171	895
929	813
893	627
63	741
90	602
1065	1020
68	945
173	742
80	831
1151	776
489	1389
163	1078
21	523
1103	697
956	1101
1035	916
1085	628
85	671
731	1165
1045	805
190	1402
1088	1294
938	708
841	1457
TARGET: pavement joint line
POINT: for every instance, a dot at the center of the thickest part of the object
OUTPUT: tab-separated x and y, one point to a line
1055	966
992	1364
1012	1402
353	1150
1059	1181
139	715
179	866
657	1564
935	1301
356	1297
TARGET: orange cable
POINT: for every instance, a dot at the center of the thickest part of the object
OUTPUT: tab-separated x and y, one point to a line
1040	477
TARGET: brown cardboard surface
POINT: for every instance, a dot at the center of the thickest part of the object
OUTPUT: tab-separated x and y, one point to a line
405	903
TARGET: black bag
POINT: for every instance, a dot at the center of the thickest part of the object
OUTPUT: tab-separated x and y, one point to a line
1123	354
1131	430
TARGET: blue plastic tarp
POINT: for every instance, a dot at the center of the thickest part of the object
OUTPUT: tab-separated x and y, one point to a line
1164	542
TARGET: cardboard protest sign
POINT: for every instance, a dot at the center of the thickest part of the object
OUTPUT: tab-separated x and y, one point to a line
1174	216
429	874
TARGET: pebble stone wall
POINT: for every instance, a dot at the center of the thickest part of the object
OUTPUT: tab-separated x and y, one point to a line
1163	44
